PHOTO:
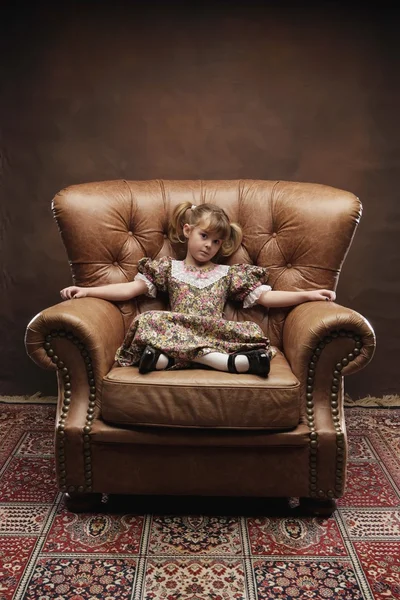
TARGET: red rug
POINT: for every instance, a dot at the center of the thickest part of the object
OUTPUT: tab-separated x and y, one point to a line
159	553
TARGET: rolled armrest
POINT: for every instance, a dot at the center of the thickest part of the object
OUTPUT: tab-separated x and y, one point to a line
78	338
94	324
312	326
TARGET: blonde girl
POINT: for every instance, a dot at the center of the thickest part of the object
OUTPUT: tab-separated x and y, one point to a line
194	332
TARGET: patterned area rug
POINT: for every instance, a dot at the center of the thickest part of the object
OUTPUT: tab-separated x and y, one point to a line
185	549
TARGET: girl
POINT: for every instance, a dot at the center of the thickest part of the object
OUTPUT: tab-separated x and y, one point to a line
194	331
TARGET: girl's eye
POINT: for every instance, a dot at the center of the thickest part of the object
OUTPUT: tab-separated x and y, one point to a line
204	236
217	242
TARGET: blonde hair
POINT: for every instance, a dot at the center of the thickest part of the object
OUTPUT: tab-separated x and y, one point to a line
213	218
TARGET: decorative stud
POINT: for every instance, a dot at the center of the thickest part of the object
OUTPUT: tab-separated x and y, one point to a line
335	413
66	402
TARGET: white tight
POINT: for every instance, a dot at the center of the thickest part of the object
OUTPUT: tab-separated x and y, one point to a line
215	360
219	361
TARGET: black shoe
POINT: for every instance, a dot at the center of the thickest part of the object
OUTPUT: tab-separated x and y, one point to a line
149	360
259	362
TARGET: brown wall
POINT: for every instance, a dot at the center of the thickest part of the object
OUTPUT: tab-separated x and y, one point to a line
97	90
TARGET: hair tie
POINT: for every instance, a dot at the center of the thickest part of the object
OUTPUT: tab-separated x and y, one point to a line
193	207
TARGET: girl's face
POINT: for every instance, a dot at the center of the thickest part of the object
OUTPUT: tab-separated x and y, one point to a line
203	245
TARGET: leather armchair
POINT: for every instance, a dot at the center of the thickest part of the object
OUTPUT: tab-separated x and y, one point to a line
198	431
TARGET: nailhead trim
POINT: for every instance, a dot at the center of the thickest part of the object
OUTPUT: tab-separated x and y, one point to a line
66	401
335	387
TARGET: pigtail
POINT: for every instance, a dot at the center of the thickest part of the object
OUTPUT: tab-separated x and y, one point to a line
230	245
175	231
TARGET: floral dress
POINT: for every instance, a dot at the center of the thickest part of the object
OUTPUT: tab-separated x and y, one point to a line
195	325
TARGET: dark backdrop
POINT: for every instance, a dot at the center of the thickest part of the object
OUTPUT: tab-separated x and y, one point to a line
271	90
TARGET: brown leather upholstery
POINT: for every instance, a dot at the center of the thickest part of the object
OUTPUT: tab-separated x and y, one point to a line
200	431
190	398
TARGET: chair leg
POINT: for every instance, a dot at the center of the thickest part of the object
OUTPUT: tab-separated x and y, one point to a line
316	508
78	502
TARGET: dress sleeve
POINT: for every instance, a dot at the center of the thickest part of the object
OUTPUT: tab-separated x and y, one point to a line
247	283
155	273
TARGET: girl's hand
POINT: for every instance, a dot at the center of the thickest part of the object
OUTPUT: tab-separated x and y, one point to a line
73	291
321	295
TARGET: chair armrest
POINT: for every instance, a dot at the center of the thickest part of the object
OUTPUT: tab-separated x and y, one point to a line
78	338
312	327
90	322
323	342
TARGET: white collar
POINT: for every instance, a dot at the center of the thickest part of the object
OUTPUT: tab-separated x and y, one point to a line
199	278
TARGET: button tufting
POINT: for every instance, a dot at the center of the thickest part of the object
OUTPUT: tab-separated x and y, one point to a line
165	236
115	263
274	234
130	232
289	265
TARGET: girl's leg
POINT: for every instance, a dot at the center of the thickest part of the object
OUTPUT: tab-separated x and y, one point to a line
256	362
219	361
253	361
162	362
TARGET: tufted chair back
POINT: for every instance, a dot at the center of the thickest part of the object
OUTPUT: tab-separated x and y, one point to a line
300	231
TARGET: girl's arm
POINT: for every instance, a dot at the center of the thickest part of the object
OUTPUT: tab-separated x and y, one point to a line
282	299
112	291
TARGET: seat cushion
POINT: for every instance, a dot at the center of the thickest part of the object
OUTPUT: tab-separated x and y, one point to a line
203	398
